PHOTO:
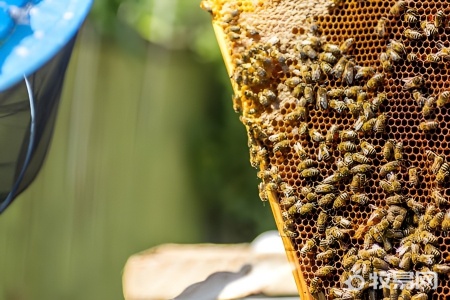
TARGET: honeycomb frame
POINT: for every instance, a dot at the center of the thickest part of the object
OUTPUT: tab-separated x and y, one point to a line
278	26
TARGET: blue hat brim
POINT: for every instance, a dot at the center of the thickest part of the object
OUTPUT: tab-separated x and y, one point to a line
49	26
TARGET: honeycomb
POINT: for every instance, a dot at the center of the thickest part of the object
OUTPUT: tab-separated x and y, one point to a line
346	109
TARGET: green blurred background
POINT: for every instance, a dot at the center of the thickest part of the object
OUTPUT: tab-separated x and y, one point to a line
147	150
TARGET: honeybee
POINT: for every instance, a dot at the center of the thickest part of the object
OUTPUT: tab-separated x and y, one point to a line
301	152
306	190
308	173
432	58
364	72
306	208
445	226
380	123
368	112
357	184
440	19
353	91
415	206
436	221
316	136
411	16
293	81
324	153
420	99
389	167
411	83
332	48
396	199
388	187
363	168
427	109
325	188
375	81
426	237
347	45
349	71
281	146
394	56
443	173
349	259
327	57
324	271
308	93
397	47
411	57
299	89
302	128
428	125
441	269
325	67
392	260
316	72
360	199
326	255
341	200
331	134
362	122
381	27
289	233
398	151
286	189
326	200
443	98
278	137
315	286
335	93
346	147
438	160
430	249
413	174
322	221
420	296
388	149
341	221
377	231
438	198
428	28
305	164
335	233
386	62
338	69
348	135
271	187
299	113
367	149
398	8
359	158
309	246
338	106
413	34
308	51
322	99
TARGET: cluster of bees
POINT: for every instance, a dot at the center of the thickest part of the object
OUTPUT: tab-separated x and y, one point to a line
404	220
278	88
418	29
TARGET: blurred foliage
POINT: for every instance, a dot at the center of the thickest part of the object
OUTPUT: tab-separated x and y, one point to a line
218	155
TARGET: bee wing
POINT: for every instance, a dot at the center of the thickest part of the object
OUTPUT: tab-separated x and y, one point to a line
320	154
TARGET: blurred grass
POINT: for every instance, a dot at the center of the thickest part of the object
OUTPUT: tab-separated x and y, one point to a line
146	150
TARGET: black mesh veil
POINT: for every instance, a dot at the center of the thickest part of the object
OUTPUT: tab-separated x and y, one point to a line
27	118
